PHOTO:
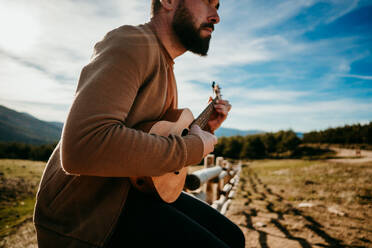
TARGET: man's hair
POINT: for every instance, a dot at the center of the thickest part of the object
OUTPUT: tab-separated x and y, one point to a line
155	7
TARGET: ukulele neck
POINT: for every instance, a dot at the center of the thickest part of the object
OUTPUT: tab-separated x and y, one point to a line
203	118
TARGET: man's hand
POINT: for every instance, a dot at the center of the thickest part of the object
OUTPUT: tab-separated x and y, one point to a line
219	114
209	140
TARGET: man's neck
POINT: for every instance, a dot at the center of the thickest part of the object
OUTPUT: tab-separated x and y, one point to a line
165	33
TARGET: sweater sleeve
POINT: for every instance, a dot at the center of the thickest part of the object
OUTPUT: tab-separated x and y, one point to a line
95	139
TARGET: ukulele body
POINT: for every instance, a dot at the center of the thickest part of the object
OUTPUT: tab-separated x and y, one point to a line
170	185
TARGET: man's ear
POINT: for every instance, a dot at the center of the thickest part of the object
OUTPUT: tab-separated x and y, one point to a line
169	4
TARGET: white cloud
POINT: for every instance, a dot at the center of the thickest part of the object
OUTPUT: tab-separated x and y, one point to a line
264	94
70	29
23	83
28	89
20	27
357	76
41	78
302	117
250	16
341	8
336	107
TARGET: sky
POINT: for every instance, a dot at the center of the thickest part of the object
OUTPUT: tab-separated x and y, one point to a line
291	64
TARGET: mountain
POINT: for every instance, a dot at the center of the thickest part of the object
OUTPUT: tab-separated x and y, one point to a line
300	135
22	127
227	132
57	124
234	132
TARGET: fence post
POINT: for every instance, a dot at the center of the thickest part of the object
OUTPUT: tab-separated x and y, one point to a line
227	167
221	180
219	161
209	162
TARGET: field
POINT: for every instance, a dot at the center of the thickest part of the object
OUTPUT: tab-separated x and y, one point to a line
280	203
297	203
19	180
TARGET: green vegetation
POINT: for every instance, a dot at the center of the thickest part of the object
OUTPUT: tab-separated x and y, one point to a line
26	151
280	144
346	135
13	215
286	144
19	180
301	180
321	203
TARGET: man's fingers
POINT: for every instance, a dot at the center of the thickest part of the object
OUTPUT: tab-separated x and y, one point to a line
222	109
209	140
215	139
228	107
194	127
223	104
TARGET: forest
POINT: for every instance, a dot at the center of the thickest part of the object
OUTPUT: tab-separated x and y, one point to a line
346	135
15	150
282	144
257	146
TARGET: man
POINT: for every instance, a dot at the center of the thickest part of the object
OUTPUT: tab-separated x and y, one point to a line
85	198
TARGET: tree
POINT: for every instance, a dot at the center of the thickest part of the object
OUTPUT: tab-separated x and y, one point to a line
233	147
253	147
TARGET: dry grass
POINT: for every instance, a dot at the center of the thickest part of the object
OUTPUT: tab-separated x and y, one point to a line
343	184
305	204
266	207
19	180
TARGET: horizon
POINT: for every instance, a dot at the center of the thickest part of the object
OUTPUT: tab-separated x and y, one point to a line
235	129
302	65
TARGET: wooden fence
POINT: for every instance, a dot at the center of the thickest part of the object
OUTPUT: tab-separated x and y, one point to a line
216	183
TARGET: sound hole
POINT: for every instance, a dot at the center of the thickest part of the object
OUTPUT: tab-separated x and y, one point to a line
176	172
140	182
185	132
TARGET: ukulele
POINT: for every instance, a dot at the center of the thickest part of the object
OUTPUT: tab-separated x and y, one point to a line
177	121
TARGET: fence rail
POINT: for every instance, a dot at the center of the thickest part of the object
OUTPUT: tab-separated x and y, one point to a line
216	183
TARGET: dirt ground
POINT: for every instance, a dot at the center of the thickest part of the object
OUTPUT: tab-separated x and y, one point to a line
25	237
269	217
351	156
285	214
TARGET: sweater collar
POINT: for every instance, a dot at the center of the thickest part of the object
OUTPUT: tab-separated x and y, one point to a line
165	52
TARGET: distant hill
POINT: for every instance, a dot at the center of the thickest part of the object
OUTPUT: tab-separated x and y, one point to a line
300	135
22	127
57	124
227	132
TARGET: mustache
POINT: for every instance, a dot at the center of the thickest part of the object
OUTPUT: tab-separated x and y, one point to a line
207	25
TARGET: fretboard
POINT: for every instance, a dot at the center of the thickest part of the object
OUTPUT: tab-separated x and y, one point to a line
203	118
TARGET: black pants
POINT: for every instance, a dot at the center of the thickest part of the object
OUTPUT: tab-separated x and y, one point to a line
188	222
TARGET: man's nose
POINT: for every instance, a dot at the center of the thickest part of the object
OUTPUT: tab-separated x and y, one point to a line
214	17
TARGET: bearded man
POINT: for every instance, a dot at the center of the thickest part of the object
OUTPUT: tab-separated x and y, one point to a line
85	198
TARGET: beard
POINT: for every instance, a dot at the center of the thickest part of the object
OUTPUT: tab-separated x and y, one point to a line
186	32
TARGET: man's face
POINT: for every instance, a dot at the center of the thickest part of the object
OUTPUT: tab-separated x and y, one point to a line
194	37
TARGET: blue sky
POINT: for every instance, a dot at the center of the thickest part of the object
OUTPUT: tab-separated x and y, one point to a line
301	64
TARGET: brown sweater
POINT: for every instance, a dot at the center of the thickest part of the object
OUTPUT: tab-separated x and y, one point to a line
85	183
